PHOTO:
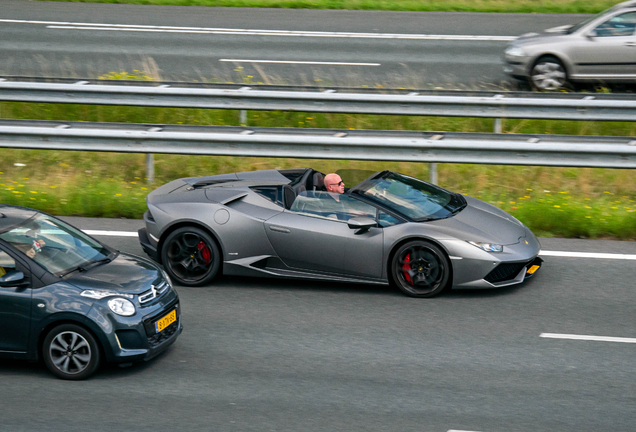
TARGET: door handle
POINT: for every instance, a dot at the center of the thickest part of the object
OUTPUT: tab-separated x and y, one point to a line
630	44
279	229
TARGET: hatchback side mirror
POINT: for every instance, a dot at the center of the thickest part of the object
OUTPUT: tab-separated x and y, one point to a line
14	278
361	224
591	34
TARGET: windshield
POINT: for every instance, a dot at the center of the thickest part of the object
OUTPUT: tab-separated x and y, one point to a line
53	244
578	26
411	197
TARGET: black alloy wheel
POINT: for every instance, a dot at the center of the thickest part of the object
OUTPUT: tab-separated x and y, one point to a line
71	352
420	269
190	256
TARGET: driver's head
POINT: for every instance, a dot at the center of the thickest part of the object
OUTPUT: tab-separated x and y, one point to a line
333	183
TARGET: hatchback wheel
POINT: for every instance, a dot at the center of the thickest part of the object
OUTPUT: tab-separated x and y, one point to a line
190	256
71	352
420	269
549	74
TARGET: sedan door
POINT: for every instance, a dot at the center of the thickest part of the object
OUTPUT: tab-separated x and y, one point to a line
608	51
15	306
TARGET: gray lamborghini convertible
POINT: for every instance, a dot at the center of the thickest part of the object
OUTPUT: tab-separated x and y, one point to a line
388	228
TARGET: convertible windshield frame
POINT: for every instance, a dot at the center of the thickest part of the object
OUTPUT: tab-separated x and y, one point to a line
417	201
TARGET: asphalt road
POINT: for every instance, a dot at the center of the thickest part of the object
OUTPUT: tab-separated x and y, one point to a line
272	355
358	48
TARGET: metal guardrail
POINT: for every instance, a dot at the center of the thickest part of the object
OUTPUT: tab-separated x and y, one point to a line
566	106
513	149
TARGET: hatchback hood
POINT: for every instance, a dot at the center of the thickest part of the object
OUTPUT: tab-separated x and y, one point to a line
126	274
483	222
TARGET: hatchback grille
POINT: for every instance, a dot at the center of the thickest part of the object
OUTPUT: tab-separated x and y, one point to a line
505	272
155	292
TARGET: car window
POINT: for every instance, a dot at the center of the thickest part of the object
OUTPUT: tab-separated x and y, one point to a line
7	263
620	25
338	207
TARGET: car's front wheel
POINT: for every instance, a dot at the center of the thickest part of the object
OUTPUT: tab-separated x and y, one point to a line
420	269
548	74
190	256
71	352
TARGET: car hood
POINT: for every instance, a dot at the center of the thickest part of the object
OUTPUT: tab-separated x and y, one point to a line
126	273
482	222
550	33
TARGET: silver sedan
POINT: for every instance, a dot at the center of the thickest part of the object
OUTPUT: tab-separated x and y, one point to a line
601	49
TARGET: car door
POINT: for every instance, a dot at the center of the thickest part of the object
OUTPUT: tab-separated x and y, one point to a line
609	52
15	306
316	239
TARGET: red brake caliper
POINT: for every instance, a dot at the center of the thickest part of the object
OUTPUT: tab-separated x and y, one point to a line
205	251
406	268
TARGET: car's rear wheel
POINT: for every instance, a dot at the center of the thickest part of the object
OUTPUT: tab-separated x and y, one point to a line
190	256
548	74
420	269
71	352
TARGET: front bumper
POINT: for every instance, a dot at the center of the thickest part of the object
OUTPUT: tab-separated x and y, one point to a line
146	245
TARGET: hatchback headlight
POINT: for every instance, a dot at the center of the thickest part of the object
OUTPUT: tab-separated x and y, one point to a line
515	51
488	247
121	306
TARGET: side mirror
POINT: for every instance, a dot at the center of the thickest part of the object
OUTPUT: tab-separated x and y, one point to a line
591	34
361	224
14	278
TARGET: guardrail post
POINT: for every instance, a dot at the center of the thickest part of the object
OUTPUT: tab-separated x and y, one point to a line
432	169
150	167
497	125
243	118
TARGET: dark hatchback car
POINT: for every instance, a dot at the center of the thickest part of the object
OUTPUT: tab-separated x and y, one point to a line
74	302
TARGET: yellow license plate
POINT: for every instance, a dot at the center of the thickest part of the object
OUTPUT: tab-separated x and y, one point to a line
533	269
165	321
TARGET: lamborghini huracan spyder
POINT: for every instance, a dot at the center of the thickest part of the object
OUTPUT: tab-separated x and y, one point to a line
388	228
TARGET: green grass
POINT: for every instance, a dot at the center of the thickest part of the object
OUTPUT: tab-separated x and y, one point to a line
528	6
570	202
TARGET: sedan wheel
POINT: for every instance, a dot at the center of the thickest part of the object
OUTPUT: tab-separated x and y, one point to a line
420	269
71	352
190	256
548	74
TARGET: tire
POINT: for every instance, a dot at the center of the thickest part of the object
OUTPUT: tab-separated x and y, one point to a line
191	256
548	74
71	352
420	269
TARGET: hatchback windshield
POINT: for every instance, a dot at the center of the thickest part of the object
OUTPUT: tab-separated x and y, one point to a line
411	197
53	244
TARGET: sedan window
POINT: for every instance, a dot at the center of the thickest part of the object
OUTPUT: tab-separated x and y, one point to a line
620	25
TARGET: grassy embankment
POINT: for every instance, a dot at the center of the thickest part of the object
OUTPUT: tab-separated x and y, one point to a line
528	6
567	202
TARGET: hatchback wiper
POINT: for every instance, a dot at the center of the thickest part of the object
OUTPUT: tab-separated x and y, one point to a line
86	266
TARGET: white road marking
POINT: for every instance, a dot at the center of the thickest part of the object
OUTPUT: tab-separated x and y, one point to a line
253	32
543	253
300	62
587	337
457	430
588	255
111	233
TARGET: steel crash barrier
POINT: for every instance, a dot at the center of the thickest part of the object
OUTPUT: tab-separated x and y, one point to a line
432	147
528	105
480	148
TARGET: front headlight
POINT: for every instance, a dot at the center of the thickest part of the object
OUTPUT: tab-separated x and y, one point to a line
166	277
515	51
121	306
488	247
